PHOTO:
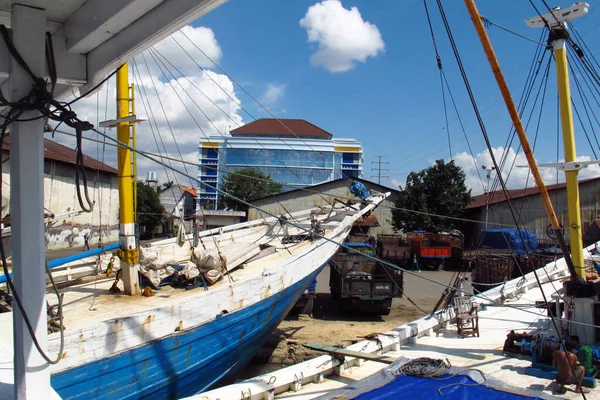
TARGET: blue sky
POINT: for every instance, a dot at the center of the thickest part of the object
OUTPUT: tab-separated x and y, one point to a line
375	78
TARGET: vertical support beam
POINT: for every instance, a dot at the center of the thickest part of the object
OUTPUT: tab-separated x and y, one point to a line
130	254
566	118
32	376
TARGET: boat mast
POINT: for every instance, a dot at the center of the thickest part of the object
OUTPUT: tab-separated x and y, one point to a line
556	21
520	129
126	167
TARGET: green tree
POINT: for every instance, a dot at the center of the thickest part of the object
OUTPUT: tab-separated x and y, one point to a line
439	189
165	186
149	209
246	184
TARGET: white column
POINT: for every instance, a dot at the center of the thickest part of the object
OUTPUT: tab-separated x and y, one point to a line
32	376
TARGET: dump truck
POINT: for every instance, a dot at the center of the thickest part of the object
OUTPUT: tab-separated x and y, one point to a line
362	283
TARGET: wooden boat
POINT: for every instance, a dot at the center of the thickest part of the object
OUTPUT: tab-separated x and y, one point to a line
179	342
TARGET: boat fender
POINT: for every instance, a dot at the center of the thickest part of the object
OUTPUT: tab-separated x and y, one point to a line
359	190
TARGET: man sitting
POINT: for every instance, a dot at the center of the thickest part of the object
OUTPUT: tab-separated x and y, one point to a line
570	372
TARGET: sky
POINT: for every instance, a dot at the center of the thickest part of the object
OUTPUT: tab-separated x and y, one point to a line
358	69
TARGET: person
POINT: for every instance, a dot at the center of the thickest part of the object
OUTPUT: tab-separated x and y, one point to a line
86	243
415	264
570	372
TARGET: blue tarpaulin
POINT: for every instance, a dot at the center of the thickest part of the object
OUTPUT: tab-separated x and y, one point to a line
509	239
462	387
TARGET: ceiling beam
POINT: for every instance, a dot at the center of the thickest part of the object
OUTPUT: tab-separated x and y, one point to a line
70	67
155	25
98	20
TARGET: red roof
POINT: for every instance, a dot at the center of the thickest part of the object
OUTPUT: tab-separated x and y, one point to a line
191	191
282	127
499	196
58	152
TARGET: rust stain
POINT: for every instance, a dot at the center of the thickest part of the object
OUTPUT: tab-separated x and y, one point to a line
267	292
239	304
187	358
147	320
81	336
242	333
64	355
144	366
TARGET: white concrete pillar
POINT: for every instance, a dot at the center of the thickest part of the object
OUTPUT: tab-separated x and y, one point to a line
32	377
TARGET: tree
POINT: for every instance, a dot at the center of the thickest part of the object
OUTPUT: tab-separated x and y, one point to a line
165	186
149	209
246	184
439	189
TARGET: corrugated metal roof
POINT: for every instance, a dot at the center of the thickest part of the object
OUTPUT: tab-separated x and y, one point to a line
499	196
282	127
58	152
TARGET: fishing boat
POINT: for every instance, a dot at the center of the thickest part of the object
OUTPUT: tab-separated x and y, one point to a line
179	342
507	348
106	340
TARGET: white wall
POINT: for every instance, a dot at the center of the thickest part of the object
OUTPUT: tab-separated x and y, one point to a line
61	198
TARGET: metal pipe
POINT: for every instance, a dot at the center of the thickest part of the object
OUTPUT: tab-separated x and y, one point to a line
62	261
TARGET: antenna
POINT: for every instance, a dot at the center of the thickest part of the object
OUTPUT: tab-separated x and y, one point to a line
379	169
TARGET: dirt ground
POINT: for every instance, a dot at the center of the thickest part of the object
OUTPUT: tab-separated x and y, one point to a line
329	326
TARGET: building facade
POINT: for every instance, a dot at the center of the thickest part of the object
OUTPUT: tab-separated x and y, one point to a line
530	209
292	152
322	196
180	206
70	224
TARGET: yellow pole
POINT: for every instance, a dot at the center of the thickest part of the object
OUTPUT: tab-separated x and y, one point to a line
129	251
514	115
566	118
134	158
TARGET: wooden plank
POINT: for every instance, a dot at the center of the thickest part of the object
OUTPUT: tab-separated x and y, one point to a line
588	381
351	353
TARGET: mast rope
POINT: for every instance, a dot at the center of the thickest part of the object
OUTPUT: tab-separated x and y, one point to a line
279	218
156	59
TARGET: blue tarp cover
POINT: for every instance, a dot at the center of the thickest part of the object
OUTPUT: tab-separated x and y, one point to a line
509	239
410	387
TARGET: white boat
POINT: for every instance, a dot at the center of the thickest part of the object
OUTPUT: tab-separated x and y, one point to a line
180	342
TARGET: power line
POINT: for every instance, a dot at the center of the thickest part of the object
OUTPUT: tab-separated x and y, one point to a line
379	169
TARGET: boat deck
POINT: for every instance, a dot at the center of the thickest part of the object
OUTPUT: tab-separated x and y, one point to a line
484	353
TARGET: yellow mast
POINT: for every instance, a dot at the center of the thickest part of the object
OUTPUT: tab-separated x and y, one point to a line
126	180
520	129
566	117
556	21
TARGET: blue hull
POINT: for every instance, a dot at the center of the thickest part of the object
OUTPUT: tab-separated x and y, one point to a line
184	364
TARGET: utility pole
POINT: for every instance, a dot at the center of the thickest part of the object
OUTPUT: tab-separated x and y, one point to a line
379	169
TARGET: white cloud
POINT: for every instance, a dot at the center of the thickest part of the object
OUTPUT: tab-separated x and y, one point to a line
517	177
397	184
273	93
201	38
195	105
342	35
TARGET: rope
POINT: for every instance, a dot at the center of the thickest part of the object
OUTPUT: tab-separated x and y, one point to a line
492	301
424	367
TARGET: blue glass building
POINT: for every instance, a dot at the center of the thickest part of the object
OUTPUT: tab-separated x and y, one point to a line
293	152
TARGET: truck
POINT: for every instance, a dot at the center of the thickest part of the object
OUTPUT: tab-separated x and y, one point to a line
362	283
